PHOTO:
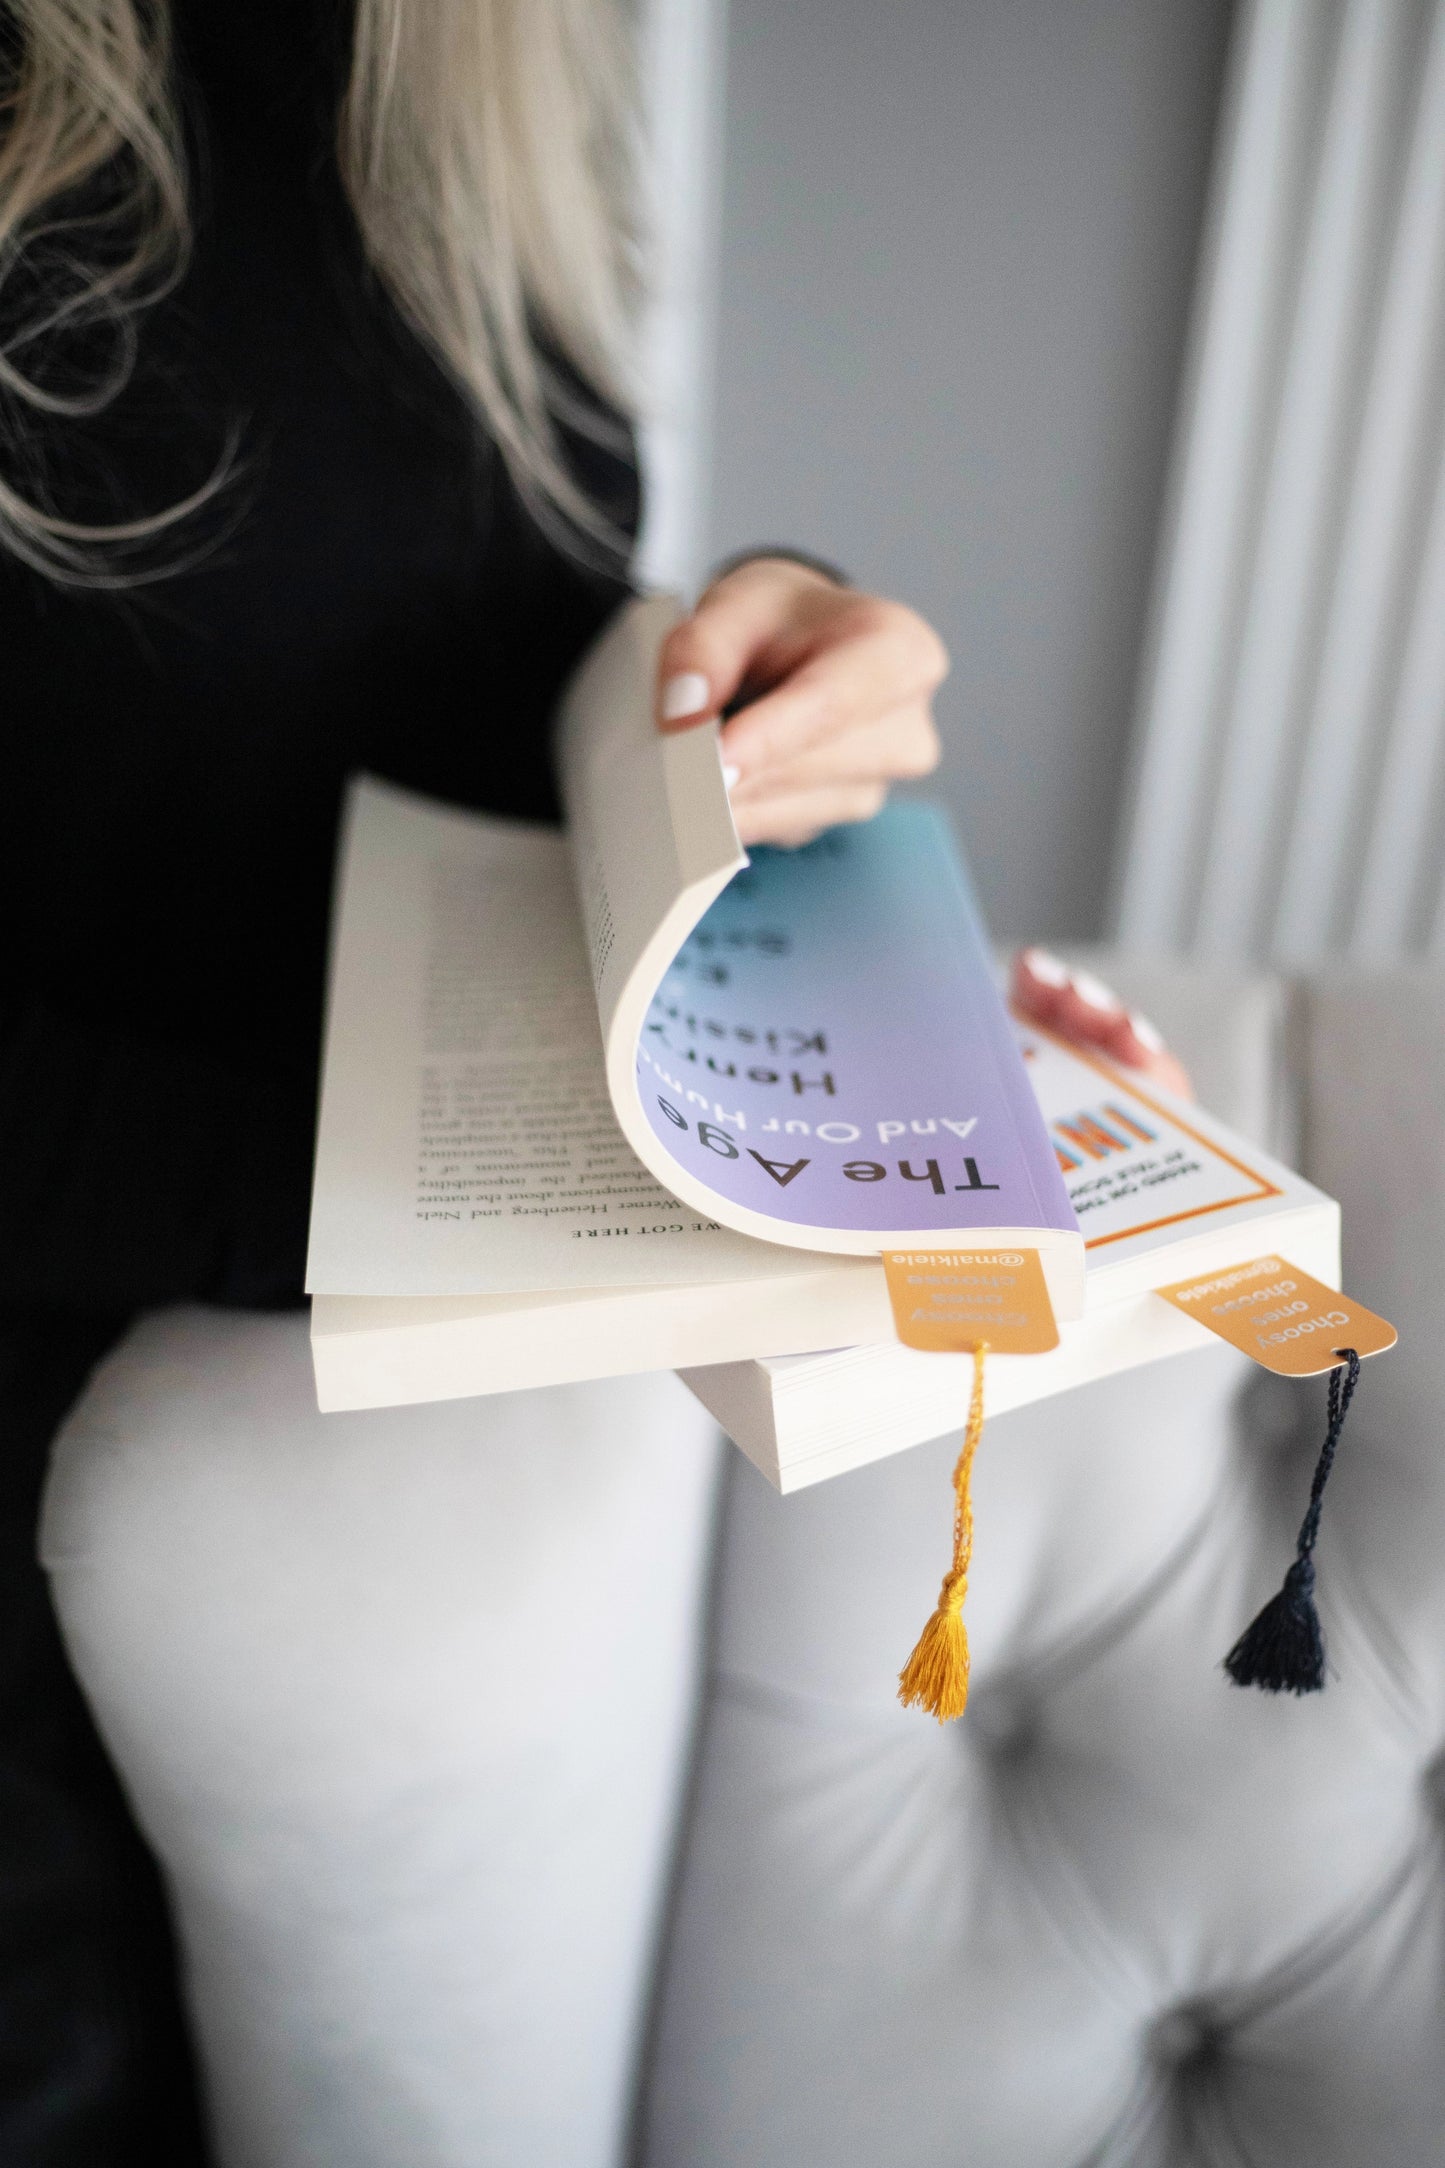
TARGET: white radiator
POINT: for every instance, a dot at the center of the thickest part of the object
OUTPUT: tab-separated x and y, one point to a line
1288	794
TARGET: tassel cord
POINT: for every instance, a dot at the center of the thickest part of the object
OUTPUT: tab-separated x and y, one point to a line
955	1581
935	1677
1283	1649
1341	1392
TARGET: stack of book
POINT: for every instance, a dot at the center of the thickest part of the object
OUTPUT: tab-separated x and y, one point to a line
620	1099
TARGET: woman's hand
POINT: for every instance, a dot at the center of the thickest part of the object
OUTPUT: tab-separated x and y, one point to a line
1080	1007
839	692
839	687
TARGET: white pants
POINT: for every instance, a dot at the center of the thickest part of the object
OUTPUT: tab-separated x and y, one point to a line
402	1701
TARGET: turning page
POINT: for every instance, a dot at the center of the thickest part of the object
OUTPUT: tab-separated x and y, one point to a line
808	1047
629	1057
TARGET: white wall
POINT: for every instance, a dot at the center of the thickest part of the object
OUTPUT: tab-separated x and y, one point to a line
684	61
957	245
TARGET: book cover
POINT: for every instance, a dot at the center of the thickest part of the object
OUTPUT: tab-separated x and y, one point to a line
828	1048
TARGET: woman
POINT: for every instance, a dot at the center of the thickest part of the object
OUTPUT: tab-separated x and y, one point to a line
315	325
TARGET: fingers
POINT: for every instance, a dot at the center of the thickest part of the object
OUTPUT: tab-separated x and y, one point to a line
796	817
1082	1008
837	687
747	624
828	655
878	659
890	749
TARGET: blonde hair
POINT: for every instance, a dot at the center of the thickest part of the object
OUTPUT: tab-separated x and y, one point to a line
487	148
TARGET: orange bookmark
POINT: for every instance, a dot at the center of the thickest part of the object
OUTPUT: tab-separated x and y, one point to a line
1293	1324
960	1302
1286	1319
949	1302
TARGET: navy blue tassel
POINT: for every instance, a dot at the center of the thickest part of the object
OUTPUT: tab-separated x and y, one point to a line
1283	1650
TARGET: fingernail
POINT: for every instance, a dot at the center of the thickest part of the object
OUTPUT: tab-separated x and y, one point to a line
1148	1035
731	775
685	694
1046	967
1093	992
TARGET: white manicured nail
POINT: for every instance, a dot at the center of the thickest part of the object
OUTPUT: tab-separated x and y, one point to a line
1046	967
685	694
1148	1035
731	775
1094	993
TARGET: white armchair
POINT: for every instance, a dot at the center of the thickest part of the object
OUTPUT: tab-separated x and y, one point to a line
1123	1912
404	1701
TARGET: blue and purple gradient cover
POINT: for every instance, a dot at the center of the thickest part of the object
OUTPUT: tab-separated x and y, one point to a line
829	1046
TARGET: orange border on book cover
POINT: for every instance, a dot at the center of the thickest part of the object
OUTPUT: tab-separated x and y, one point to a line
1114	1073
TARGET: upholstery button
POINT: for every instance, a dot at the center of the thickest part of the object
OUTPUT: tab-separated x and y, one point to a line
1003	1722
1434	1781
1183	2036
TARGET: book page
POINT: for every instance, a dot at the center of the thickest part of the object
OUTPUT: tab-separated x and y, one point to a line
829	1047
811	1048
467	1140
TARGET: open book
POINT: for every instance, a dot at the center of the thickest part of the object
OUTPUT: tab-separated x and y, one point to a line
622	1100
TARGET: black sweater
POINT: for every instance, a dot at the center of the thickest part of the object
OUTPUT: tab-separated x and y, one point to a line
370	595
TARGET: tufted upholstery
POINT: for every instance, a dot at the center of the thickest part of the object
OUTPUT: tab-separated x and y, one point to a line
1123	1913
402	1699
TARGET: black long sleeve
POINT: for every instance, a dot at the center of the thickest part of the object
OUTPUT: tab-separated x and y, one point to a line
370	593
367	592
134	1174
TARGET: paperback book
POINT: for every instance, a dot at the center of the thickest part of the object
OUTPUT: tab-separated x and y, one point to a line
621	1098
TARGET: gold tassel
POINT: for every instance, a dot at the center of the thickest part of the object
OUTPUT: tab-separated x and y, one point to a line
935	1676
